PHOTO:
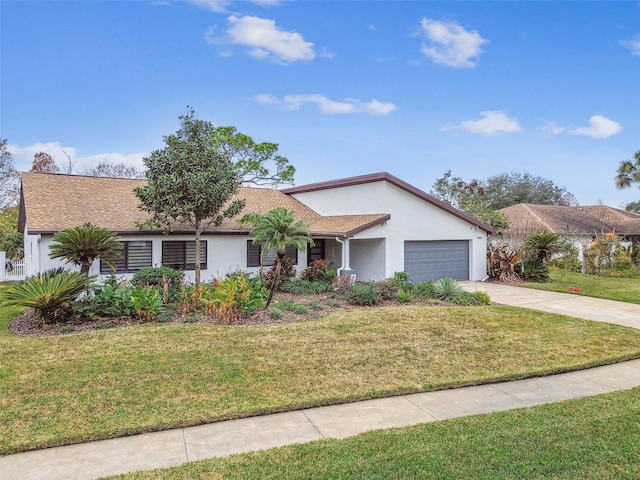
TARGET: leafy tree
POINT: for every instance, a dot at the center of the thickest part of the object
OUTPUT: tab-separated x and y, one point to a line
469	197
456	192
44	163
481	198
82	244
104	168
506	189
9	178
277	229
628	172
193	179
251	158
633	207
11	241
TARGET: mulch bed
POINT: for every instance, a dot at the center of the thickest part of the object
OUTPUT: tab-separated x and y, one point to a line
27	323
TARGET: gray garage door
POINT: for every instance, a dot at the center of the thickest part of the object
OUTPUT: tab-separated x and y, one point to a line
432	260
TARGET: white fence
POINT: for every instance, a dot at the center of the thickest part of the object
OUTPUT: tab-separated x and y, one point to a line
11	270
15	270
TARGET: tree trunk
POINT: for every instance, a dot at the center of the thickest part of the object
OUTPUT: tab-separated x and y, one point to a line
276	277
85	267
198	253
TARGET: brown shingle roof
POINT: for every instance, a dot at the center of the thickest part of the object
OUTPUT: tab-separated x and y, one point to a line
621	221
525	219
54	202
347	225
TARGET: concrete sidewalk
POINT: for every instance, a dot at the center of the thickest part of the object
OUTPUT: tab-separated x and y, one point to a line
174	447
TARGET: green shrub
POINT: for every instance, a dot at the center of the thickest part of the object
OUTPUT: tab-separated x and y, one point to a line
147	302
300	286
49	294
388	289
314	306
465	299
447	289
234	297
332	304
109	300
534	270
363	293
424	290
197	299
482	297
404	295
319	270
275	314
167	281
289	305
285	305
299	309
400	279
166	315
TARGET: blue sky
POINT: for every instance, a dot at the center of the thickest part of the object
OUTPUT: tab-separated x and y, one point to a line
345	88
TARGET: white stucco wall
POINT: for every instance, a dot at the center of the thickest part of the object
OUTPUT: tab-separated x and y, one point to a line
225	253
411	219
365	258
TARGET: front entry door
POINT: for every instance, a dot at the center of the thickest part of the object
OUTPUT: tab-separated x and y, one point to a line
316	252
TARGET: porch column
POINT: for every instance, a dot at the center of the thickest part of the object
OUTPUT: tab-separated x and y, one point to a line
345	254
3	271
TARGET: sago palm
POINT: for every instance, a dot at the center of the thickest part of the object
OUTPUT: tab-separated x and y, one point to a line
544	245
49	293
277	229
82	244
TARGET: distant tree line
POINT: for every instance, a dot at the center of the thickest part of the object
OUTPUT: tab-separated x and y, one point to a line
482	198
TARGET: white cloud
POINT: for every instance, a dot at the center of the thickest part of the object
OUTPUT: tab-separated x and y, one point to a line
450	44
264	40
23	157
552	128
326	105
490	123
217	6
600	127
633	45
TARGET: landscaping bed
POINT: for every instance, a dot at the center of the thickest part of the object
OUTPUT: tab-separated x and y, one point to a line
285	308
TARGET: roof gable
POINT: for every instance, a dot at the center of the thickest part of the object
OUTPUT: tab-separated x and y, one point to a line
387	177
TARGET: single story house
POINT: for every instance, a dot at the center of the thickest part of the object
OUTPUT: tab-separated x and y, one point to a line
578	224
374	224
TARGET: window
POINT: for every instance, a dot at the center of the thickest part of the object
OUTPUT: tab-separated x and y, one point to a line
182	255
269	257
135	256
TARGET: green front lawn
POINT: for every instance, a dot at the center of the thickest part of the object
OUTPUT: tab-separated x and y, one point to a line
105	383
610	288
595	438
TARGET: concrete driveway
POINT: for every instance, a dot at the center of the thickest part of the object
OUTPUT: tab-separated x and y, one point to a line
589	308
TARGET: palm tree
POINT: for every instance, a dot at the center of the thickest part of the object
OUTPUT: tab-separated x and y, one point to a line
629	172
82	244
544	245
277	229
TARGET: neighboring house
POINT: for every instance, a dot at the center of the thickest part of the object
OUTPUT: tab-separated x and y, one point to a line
579	224
374	224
